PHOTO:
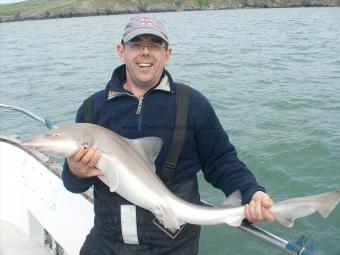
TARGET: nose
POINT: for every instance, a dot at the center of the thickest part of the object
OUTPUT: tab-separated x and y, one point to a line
145	49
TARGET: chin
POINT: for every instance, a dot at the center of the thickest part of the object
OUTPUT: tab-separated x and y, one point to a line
147	79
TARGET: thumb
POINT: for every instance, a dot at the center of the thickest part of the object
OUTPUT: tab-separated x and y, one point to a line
267	202
264	198
95	172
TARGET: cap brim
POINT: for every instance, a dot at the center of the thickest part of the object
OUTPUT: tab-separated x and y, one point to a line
143	31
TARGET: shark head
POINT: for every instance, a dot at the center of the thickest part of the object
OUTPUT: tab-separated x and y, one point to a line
58	143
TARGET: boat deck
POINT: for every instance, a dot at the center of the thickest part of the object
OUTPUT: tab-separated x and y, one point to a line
13	241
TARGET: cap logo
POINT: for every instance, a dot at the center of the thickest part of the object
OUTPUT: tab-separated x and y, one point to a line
146	21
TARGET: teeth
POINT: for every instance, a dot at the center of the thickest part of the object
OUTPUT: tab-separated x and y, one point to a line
144	64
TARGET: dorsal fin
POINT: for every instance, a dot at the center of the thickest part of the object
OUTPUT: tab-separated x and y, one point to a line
233	200
148	147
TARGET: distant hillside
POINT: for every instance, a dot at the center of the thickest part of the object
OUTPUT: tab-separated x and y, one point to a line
44	9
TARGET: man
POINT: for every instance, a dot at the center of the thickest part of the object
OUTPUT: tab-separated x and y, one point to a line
139	101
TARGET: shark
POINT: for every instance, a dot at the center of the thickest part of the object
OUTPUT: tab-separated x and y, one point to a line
129	170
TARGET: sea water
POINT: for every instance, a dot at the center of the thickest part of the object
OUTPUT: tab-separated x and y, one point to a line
272	76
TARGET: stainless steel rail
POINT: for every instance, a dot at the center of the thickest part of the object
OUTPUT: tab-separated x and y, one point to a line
297	248
46	122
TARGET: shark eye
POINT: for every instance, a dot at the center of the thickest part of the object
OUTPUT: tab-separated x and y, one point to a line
52	135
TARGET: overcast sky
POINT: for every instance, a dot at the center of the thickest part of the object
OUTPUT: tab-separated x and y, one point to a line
10	1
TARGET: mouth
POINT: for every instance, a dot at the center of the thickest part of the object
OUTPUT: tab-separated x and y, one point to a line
144	65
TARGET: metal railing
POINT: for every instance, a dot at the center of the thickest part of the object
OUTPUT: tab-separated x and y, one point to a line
49	124
292	248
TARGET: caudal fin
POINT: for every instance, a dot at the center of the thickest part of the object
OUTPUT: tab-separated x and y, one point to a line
331	200
287	211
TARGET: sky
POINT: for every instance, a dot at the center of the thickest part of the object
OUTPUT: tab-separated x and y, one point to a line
10	1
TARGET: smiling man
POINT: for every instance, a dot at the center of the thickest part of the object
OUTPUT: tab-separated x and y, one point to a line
145	57
140	101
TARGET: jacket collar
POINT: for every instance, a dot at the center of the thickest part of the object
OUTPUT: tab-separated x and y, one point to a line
115	87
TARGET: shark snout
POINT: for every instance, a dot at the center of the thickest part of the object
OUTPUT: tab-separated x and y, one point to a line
31	144
52	144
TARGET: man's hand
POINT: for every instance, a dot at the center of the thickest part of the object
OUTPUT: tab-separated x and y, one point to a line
82	164
258	208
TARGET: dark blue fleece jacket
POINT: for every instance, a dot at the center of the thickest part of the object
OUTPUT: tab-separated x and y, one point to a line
206	145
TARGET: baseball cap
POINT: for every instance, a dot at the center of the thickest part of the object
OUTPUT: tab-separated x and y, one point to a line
144	24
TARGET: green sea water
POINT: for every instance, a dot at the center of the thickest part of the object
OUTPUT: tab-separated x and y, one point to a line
272	75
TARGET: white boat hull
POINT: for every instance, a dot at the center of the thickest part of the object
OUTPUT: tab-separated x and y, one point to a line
33	198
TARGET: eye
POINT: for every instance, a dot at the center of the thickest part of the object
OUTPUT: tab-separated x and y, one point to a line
135	46
54	135
155	47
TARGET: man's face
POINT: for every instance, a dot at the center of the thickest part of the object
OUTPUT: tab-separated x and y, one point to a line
145	58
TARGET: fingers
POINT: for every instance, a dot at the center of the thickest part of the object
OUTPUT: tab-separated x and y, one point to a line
257	209
267	215
267	202
253	211
87	157
93	172
82	164
95	157
80	153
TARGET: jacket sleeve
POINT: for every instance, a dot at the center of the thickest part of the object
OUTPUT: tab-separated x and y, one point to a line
71	182
220	163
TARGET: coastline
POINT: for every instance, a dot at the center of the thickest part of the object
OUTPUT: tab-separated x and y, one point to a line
41	9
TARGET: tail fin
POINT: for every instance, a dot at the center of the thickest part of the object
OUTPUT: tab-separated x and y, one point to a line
287	211
331	199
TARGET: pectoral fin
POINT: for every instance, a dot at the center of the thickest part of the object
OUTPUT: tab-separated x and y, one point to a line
111	176
113	180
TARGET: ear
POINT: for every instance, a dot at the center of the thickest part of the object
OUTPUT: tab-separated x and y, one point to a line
168	55
121	52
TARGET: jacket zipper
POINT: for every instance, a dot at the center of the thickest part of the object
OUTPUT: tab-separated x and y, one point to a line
139	107
138	112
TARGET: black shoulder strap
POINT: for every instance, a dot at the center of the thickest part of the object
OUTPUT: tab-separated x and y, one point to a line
182	103
87	104
178	137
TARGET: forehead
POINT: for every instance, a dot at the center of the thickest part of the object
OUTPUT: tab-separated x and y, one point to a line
147	38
